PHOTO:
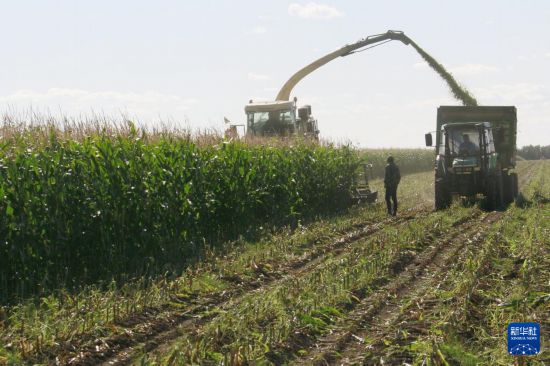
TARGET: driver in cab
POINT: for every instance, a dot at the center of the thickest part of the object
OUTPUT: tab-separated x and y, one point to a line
467	147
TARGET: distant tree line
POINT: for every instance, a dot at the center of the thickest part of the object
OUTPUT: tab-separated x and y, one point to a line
534	152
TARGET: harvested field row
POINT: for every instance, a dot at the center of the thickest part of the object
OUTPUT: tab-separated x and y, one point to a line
379	315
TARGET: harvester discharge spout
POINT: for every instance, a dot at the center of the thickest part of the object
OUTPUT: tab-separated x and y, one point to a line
376	40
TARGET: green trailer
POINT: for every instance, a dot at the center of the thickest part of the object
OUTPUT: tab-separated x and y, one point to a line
475	153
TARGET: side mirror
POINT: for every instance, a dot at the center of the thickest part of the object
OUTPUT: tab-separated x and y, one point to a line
428	138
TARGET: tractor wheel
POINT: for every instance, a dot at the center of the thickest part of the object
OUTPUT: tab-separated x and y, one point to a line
442	195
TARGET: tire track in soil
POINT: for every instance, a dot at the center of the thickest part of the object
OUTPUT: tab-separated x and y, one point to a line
380	311
152	329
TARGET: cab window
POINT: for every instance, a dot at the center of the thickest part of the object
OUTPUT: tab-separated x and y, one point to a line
463	141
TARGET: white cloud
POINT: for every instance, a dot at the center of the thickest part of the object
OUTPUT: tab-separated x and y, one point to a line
149	105
257	77
313	10
473	69
547	55
259	30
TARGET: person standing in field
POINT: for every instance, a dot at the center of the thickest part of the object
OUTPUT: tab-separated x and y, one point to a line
391	181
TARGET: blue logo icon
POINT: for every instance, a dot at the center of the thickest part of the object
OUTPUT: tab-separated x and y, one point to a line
523	339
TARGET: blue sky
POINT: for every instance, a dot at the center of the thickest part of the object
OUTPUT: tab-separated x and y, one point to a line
193	62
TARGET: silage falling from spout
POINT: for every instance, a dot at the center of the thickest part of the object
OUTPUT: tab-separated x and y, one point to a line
458	91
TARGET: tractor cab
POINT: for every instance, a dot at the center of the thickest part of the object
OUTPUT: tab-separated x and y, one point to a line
280	118
467	147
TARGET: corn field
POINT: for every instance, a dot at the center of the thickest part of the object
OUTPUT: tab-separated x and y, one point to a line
103	207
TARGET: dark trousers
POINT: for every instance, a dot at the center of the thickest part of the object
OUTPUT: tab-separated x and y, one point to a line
391	195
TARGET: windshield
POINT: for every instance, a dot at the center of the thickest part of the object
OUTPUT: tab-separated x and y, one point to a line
259	119
463	141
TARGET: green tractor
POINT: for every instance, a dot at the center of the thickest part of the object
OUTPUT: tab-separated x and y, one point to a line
475	155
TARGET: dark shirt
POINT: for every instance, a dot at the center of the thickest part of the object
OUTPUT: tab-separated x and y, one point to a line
391	176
